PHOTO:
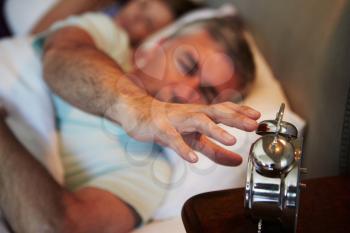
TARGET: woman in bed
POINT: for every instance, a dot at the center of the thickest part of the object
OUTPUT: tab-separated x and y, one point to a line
139	18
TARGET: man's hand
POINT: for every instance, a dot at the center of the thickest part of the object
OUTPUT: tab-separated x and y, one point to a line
186	127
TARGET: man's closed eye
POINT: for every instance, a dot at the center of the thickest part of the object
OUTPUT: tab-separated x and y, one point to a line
188	65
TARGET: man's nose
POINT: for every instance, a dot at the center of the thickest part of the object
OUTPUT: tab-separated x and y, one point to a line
192	82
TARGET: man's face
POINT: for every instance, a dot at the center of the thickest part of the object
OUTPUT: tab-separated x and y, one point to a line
140	18
190	68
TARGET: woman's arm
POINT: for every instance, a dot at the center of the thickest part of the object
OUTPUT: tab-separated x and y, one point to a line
65	8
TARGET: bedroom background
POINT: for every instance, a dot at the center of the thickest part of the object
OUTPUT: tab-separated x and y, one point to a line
307	46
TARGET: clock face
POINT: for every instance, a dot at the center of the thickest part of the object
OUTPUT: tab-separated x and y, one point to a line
272	153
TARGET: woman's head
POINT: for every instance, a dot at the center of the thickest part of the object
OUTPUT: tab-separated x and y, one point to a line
140	18
205	61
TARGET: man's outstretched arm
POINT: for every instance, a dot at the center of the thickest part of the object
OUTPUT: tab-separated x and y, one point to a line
89	79
32	202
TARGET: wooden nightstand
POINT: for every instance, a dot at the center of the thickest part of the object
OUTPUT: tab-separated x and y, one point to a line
325	207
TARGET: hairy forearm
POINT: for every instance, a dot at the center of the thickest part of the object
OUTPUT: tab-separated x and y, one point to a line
64	9
29	198
88	79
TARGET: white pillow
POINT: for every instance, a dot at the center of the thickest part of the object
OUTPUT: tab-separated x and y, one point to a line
169	226
205	13
28	103
23	15
188	180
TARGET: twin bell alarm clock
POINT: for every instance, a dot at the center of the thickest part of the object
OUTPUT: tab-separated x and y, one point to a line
273	185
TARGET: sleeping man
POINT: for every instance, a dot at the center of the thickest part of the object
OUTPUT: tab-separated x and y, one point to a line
174	97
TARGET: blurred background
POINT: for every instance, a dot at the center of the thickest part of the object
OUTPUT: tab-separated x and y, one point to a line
307	46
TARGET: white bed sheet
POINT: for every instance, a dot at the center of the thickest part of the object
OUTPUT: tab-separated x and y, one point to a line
174	225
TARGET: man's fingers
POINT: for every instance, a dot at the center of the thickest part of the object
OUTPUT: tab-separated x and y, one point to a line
243	109
190	126
234	119
176	142
248	111
202	124
216	153
241	117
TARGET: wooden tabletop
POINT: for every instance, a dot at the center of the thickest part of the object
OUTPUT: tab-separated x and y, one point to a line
324	207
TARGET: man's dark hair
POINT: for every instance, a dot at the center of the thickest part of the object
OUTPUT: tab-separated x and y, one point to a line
181	7
230	33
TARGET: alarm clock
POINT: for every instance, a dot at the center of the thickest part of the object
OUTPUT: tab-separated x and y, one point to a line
273	185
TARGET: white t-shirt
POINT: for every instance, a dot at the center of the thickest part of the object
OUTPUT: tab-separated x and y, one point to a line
97	153
108	36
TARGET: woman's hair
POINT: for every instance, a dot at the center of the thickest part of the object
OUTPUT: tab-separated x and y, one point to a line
181	7
229	32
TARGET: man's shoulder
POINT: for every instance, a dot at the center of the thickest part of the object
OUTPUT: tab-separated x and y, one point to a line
107	35
92	17
88	21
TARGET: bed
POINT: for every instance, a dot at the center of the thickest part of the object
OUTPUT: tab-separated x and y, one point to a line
306	45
